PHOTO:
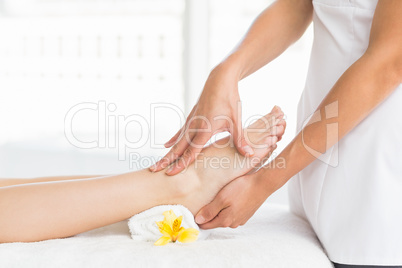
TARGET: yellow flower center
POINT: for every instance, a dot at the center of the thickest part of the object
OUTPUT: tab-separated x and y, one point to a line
172	231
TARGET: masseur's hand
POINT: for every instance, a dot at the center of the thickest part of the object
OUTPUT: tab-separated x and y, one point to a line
235	203
217	110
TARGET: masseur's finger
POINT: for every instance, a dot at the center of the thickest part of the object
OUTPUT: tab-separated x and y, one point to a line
210	212
167	159
164	162
160	164
240	141
190	154
173	139
177	151
223	219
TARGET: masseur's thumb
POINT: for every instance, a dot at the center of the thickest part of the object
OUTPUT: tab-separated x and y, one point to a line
209	212
240	141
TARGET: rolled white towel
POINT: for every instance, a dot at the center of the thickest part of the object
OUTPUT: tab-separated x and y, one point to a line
143	225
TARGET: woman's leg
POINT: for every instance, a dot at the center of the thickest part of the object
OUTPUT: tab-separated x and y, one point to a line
18	181
39	211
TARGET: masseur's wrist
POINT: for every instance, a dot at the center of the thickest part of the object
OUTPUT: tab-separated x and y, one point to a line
222	83
232	66
270	179
240	64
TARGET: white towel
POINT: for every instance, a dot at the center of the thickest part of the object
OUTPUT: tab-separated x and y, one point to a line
143	225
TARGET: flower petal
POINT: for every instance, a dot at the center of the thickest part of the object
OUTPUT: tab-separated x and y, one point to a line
163	241
169	217
188	235
176	224
159	223
164	228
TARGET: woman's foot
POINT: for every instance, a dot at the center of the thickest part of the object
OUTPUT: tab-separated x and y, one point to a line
220	163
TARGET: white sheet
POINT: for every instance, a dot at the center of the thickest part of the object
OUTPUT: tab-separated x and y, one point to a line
272	238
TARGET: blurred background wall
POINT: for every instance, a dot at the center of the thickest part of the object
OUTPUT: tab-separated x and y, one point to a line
97	86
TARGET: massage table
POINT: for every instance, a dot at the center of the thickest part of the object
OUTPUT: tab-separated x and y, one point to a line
273	237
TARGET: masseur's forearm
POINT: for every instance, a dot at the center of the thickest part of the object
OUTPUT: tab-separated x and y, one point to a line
277	27
362	87
359	90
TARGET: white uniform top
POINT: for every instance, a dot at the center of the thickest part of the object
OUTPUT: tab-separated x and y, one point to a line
352	195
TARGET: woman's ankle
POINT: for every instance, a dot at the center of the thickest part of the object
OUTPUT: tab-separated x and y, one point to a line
182	186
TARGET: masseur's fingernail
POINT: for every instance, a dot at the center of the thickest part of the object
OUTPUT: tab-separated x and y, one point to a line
167	144
248	150
152	168
169	170
199	219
